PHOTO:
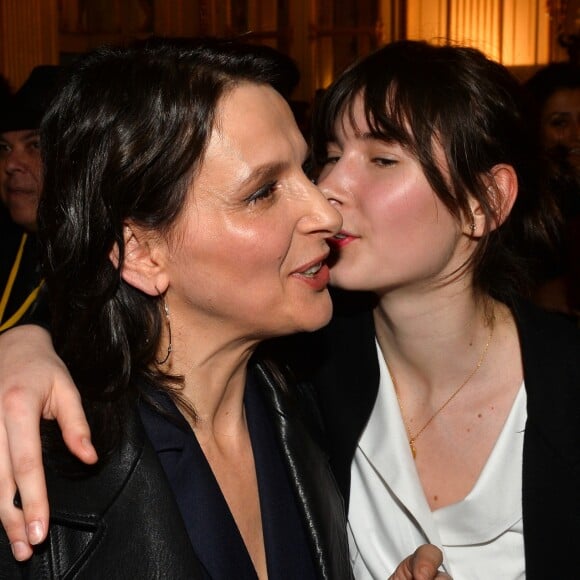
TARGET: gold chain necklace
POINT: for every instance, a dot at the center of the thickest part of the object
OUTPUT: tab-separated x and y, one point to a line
413	438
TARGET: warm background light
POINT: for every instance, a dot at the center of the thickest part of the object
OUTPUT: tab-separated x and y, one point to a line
323	36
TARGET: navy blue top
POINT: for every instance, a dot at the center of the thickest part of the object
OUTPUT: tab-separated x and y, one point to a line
209	522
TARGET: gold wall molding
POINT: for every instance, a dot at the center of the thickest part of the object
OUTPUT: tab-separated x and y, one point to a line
322	36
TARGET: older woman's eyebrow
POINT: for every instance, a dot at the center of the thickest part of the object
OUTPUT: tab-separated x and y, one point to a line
266	172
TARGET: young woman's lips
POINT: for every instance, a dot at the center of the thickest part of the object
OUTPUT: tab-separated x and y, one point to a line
341	240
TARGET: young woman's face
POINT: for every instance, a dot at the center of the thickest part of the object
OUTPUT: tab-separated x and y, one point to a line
396	231
561	123
250	246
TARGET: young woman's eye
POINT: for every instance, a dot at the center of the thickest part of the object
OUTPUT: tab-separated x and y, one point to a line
383	161
265	192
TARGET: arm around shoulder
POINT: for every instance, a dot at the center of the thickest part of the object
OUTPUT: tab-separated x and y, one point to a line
34	384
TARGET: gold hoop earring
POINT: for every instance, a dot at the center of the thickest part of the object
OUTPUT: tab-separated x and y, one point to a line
168	325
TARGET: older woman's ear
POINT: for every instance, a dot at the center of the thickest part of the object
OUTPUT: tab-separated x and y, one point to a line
144	260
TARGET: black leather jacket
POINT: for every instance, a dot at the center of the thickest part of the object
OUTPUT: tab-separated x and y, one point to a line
123	522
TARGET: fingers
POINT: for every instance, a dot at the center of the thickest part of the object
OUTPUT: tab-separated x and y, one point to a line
21	467
426	561
34	383
21	464
67	409
421	565
11	517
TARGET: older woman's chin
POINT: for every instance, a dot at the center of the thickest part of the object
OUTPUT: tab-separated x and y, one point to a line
316	315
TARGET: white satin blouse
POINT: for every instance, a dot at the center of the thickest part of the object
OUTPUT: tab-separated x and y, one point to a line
481	536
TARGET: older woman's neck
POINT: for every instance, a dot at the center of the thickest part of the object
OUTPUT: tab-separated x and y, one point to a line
214	375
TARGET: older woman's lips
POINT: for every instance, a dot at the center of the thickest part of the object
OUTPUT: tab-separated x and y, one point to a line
316	274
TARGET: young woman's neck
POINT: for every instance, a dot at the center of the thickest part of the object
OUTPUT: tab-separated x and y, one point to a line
433	336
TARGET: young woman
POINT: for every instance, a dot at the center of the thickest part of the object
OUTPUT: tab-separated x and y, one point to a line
452	407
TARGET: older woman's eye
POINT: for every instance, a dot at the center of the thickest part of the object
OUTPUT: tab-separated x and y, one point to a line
265	192
331	159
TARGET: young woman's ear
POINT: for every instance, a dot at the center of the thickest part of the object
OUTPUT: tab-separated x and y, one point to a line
502	190
144	260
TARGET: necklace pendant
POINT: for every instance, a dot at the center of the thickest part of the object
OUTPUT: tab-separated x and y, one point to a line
413	449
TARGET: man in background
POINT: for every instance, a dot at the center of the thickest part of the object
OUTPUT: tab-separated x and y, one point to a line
20	188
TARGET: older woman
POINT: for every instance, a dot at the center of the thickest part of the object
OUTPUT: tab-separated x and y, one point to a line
178	235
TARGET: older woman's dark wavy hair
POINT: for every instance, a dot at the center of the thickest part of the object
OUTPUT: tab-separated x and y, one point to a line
122	141
421	95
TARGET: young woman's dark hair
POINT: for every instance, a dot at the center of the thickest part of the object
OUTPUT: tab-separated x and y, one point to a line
122	142
454	99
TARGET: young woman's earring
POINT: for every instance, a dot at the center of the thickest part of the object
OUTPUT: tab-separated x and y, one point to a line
472	226
168	325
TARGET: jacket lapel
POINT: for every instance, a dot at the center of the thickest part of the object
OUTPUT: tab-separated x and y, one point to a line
551	459
116	518
309	472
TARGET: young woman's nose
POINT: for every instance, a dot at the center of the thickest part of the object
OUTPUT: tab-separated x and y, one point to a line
331	187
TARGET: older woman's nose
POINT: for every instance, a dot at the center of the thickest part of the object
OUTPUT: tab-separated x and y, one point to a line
322	216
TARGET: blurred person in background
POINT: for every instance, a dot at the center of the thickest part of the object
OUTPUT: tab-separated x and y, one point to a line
554	93
20	186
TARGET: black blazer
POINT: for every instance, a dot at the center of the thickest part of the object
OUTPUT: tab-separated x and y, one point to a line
123	521
347	379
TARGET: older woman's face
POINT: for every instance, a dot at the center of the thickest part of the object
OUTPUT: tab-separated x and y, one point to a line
248	253
561	123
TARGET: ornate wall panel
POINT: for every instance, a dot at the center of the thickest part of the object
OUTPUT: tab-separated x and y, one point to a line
514	32
28	37
323	36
